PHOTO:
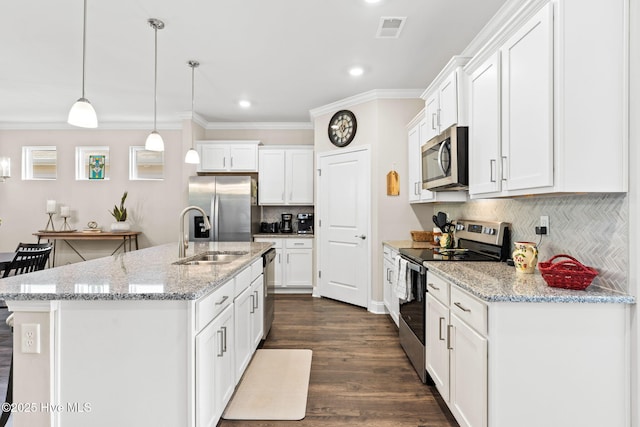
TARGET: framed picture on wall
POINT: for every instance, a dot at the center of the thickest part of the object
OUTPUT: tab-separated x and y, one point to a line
96	166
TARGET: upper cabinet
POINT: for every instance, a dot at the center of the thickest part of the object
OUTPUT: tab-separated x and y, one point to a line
445	100
285	175
533	127
228	156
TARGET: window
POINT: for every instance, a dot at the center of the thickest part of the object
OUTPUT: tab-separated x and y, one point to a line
92	163
145	164
40	162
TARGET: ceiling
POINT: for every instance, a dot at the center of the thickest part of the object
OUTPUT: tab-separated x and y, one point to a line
285	56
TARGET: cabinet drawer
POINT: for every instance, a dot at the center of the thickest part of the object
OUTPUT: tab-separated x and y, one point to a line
256	269
438	288
469	309
389	253
277	243
208	307
242	281
298	243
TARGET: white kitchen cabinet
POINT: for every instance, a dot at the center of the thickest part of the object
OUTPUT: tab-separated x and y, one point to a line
527	104
416	194
391	301
243	308
547	59
293	263
257	312
228	156
456	350
285	176
484	127
445	100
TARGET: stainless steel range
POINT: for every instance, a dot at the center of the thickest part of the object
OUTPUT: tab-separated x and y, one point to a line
476	241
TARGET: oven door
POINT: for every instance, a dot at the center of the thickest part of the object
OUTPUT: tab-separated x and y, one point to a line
412	310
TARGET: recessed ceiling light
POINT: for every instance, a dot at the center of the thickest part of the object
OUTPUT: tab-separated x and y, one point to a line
244	103
356	71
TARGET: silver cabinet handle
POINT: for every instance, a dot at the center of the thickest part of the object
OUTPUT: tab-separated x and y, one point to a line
224	333
492	170
439	123
231	161
440	337
257	300
221	346
224	162
504	167
461	307
431	285
388	272
288	258
224	298
253	304
449	328
433	121
361	236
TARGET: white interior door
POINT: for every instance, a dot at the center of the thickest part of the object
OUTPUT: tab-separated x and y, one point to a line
344	255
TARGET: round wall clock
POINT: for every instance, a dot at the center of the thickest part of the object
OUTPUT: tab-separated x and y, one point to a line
342	128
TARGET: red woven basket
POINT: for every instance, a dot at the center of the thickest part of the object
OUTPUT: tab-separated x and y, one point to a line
569	273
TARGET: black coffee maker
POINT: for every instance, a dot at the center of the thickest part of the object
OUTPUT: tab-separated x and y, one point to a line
286	226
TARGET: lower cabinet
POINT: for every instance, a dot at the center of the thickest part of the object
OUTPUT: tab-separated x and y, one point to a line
391	302
456	350
215	379
293	263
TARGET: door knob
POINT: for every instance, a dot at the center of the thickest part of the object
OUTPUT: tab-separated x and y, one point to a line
362	236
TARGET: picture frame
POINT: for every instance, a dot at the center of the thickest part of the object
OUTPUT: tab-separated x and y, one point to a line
96	166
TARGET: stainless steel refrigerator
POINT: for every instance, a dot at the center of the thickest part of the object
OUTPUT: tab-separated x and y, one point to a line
231	203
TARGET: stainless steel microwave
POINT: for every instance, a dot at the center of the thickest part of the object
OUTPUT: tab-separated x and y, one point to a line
445	160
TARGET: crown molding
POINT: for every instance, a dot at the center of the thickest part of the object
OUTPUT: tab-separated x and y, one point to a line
371	95
259	126
102	126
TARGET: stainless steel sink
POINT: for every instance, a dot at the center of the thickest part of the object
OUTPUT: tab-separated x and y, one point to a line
212	258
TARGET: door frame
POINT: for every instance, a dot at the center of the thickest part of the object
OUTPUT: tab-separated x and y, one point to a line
318	208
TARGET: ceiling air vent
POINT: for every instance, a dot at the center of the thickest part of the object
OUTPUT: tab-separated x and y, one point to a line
390	27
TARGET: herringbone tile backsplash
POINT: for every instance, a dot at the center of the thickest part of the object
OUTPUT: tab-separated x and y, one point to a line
592	228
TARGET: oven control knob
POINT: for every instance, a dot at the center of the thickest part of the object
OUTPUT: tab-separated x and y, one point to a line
459	227
490	231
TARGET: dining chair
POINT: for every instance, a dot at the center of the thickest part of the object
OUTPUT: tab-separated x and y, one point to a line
34	246
27	260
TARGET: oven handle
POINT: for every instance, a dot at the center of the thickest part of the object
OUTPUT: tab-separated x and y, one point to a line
415	267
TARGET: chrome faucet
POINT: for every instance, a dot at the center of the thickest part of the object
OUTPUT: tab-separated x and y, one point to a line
183	242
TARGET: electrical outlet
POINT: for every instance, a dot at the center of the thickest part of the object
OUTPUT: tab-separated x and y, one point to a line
30	337
544	222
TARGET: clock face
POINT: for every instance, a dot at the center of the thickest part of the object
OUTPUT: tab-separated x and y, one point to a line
342	128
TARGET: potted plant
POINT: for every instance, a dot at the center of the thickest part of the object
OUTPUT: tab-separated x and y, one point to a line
120	214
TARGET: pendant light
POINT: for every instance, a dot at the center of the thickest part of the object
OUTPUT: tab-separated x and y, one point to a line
82	113
192	156
5	168
154	140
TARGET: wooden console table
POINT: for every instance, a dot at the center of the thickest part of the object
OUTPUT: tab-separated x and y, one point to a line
126	237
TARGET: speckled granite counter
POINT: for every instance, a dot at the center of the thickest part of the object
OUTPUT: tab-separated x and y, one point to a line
401	244
496	282
146	274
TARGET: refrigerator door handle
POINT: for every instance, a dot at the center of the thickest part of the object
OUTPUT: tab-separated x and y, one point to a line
216	214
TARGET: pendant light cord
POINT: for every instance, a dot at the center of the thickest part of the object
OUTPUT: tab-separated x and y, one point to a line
84	45
155	78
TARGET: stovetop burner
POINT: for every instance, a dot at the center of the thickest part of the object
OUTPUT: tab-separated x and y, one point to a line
476	241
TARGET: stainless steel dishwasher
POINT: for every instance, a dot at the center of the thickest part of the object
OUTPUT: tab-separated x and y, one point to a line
268	263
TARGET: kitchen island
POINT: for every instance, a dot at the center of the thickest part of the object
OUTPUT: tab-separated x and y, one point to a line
119	340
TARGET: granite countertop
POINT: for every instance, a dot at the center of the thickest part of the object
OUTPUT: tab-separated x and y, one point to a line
285	235
498	282
145	274
402	244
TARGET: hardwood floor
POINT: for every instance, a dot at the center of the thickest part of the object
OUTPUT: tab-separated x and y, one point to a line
359	373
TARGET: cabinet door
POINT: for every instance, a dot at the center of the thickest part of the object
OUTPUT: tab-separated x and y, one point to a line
448	114
213	158
206	350
527	104
243	158
271	177
299	268
431	116
484	129
414	178
437	353
299	177
391	302
224	373
468	399
243	309
257	313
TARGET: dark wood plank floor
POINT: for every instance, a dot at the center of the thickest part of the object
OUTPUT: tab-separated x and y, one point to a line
359	374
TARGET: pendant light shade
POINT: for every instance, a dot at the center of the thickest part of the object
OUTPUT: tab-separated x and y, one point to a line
154	140
192	156
82	113
5	168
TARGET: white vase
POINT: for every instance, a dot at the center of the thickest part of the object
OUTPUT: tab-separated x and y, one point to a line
120	226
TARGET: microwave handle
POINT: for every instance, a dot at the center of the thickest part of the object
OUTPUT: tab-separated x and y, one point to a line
442	146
